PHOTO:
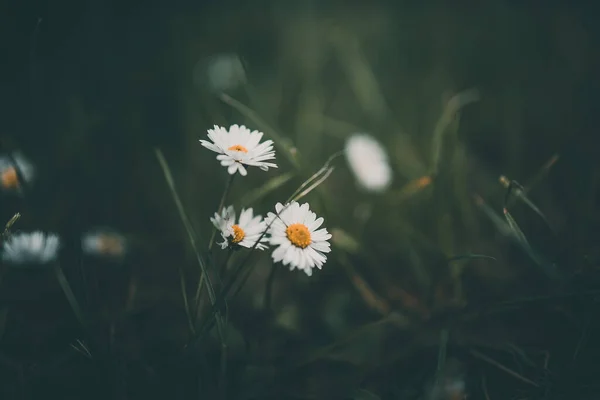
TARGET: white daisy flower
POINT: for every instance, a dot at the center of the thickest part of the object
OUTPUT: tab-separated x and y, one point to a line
245	233
240	147
14	171
30	248
103	242
369	162
296	231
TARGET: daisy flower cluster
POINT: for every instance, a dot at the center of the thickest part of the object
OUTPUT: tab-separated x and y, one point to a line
293	230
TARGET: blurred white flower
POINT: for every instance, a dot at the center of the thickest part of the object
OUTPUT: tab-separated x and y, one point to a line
220	73
245	233
369	162
101	242
296	231
239	147
13	169
30	248
449	383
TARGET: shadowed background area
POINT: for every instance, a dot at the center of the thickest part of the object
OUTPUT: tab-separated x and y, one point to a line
89	90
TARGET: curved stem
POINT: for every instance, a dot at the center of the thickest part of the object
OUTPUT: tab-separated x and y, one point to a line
220	209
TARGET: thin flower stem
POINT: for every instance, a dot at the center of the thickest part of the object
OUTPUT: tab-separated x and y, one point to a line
220	209
315	180
185	301
192	239
222	271
315	176
223	268
210	245
318	177
442	353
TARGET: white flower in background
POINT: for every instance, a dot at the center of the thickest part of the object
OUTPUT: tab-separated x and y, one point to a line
296	231
369	162
220	72
103	242
30	248
239	147
245	233
13	170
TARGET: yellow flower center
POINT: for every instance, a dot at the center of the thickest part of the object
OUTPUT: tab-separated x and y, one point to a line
110	245
238	234
299	235
10	180
238	147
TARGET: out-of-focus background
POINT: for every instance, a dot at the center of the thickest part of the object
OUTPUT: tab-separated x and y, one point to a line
88	90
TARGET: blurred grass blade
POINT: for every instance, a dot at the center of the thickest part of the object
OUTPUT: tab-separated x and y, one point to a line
517	232
270	186
470	257
522	240
314	185
516	189
369	296
316	176
192	238
64	284
495	363
263	126
344	240
496	219
453	105
538	176
412	188
544	170
81	348
442	353
360	76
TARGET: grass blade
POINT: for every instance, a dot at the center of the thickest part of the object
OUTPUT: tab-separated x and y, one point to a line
470	257
192	238
516	189
270	186
262	125
496	364
64	284
550	269
453	106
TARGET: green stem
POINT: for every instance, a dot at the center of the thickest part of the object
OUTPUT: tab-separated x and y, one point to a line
192	238
220	209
